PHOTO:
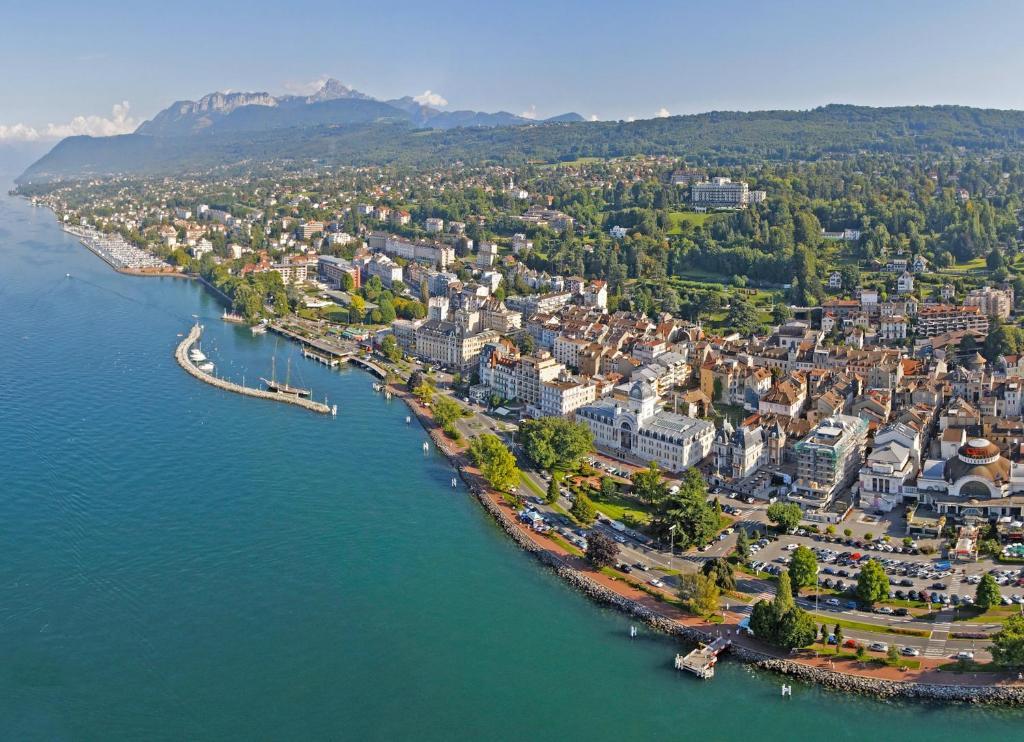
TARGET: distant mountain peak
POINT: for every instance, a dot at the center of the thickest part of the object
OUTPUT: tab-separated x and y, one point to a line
333	90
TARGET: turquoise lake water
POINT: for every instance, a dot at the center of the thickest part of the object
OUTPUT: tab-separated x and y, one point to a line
177	562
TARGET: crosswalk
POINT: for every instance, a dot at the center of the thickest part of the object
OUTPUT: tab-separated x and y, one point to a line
936	647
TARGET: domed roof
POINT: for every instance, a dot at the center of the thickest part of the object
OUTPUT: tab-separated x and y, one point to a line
978	448
641	390
980	458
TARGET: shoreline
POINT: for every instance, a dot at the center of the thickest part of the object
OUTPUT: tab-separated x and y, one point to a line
880	688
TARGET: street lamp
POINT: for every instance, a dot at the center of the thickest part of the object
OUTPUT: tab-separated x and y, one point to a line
671	541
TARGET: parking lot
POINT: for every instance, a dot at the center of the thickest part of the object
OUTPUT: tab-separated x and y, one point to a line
913	576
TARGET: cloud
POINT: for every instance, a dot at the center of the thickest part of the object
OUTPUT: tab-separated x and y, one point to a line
530	113
430	98
119	122
306	88
593	117
663	113
630	119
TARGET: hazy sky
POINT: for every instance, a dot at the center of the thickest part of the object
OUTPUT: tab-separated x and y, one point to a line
102	66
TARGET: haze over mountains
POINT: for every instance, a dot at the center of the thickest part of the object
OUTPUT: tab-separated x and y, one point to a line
332	104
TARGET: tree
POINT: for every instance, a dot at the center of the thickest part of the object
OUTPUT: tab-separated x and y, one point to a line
742	317
796	629
609	488
357	308
742	545
553	487
721	571
837	632
803	569
1008	643
701	592
987	594
387	312
688	512
764	621
495	462
583	509
424	392
994	260
785	515
446	411
783	600
555	442
872	583
389	347
648	484
601	550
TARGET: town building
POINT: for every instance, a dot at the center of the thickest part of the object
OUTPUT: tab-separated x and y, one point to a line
828	460
633	429
721	193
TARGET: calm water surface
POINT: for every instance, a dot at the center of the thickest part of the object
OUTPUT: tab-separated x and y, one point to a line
181	563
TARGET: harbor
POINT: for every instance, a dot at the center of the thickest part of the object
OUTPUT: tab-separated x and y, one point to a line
118	253
201	368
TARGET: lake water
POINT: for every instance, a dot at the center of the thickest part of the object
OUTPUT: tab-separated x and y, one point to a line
177	562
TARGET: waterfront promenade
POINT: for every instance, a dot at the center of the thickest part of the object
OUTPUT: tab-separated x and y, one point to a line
181	355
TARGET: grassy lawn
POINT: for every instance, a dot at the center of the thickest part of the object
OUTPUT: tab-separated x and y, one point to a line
973	265
996	614
873	628
677	218
623	508
564	544
531	485
970	666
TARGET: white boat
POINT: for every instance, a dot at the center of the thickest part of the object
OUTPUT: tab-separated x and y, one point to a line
206	367
197	355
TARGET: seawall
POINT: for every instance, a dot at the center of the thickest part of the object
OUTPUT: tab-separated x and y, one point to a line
181	355
1005	695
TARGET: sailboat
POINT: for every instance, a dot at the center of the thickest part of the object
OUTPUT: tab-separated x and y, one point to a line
273	385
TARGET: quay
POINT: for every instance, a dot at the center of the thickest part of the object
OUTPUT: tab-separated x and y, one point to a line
313	355
181	354
323	351
702	660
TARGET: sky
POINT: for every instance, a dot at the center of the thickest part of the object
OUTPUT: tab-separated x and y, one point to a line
104	66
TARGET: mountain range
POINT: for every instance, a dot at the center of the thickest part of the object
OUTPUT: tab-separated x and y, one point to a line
338	126
333	104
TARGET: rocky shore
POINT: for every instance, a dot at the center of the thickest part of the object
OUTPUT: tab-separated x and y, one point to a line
1004	695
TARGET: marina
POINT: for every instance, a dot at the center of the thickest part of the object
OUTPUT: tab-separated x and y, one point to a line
183	355
116	251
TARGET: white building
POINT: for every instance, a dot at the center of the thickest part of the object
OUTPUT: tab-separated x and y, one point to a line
720	192
637	431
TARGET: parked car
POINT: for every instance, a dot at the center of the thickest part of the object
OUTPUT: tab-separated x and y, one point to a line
910	652
878	647
901	612
850	644
965	654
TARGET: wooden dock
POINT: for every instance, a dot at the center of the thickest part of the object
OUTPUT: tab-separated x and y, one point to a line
702	660
181	354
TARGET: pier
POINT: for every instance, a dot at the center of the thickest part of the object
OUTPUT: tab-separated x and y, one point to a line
319	358
701	661
181	354
323	351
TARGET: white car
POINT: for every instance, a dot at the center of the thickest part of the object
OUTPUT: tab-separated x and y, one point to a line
965	655
910	652
656	583
791	547
879	647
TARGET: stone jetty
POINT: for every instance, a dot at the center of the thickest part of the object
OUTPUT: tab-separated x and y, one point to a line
181	354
